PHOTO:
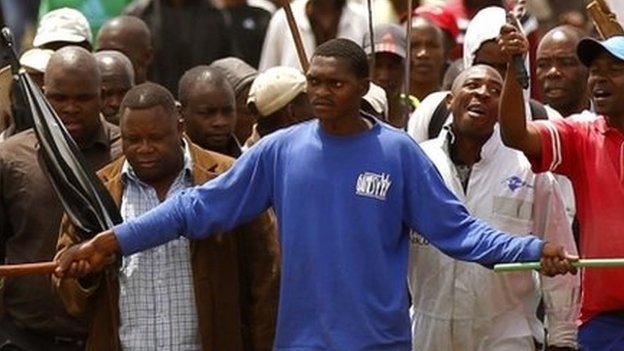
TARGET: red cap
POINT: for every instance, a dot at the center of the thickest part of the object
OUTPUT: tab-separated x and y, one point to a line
440	17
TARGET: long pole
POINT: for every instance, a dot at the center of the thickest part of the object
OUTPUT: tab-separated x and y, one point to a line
408	48
15	270
294	30
371	32
584	263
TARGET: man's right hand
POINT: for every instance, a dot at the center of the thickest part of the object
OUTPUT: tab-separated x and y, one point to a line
88	257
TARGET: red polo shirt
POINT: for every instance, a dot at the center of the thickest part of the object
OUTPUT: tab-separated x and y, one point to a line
591	154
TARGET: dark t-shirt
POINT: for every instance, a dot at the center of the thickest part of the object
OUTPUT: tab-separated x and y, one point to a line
248	26
184	37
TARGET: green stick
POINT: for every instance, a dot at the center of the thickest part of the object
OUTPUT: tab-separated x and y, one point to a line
593	263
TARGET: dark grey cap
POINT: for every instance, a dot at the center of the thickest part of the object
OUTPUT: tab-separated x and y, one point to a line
388	38
238	73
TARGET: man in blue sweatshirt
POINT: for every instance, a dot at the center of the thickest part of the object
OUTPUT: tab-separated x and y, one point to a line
346	189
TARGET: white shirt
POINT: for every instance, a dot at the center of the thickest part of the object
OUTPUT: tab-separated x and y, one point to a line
464	306
279	46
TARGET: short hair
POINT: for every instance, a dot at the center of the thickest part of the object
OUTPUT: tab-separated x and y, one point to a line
201	74
147	95
348	50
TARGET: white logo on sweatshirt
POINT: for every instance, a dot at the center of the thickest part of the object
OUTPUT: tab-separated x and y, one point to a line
373	185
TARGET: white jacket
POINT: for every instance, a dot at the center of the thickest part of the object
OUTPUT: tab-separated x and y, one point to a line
464	306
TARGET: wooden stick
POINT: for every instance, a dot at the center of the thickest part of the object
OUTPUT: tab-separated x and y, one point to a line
584	263
16	270
294	30
408	50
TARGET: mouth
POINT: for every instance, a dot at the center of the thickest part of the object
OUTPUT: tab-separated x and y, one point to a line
147	163
421	66
476	110
601	94
219	137
555	92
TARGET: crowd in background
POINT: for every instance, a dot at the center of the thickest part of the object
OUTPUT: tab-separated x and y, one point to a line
165	95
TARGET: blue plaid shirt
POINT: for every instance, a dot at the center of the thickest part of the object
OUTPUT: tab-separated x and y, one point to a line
157	300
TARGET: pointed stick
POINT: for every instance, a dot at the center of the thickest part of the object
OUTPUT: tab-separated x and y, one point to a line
16	270
294	30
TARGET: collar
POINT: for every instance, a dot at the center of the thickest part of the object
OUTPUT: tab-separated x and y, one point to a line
488	150
603	127
101	137
128	173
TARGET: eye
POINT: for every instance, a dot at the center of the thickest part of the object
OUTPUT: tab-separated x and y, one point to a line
337	84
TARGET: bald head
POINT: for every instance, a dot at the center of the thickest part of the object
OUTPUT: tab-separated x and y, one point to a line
72	86
202	77
117	78
561	76
73	62
131	36
562	34
481	71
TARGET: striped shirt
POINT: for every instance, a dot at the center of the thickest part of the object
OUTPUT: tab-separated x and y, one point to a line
156	300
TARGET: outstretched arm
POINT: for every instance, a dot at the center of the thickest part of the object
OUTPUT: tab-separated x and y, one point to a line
435	213
515	131
234	197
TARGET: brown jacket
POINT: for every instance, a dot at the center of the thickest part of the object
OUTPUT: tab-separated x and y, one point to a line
235	276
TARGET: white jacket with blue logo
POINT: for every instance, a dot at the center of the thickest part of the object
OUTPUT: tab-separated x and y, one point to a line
465	306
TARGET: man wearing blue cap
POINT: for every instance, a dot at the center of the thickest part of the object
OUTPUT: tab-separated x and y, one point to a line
591	154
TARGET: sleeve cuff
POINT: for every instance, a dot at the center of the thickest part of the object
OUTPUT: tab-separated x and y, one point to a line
125	237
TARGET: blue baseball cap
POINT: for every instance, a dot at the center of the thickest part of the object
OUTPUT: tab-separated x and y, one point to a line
588	49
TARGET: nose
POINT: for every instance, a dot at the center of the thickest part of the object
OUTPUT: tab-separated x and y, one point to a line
220	120
553	72
70	107
421	51
482	91
145	147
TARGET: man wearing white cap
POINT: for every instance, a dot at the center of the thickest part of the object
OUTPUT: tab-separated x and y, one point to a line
63	27
12	111
278	99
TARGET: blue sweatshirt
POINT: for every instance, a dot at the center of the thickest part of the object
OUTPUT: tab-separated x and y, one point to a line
344	207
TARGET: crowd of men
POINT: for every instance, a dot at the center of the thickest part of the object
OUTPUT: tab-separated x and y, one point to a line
268	208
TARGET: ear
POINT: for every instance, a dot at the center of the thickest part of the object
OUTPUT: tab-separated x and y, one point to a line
448	100
364	86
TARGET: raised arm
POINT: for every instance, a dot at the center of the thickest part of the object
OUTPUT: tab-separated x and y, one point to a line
515	131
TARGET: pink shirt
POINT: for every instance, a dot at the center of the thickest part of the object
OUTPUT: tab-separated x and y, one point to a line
591	154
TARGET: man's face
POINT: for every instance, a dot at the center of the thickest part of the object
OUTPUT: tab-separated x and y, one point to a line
491	55
244	118
427	53
334	89
562	77
606	85
114	88
151	141
76	100
474	102
388	72
210	116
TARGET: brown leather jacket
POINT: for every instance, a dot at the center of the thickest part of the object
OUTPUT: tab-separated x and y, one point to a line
235	275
